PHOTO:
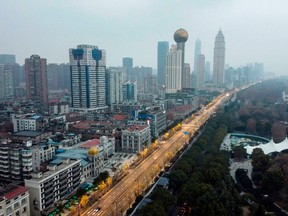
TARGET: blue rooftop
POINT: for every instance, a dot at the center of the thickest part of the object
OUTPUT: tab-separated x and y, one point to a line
35	117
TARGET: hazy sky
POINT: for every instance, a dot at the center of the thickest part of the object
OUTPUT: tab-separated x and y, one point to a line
254	30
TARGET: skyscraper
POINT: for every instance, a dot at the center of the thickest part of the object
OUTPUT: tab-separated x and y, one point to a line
207	71
219	59
197	52
6	82
186	76
7	59
36	79
87	69
128	65
114	86
180	37
175	68
129	90
162	51
127	62
201	76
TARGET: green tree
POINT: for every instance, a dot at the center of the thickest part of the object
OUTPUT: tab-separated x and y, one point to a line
239	152
153	209
163	196
177	178
260	161
273	180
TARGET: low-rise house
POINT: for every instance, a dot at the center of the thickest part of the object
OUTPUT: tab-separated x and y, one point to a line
135	138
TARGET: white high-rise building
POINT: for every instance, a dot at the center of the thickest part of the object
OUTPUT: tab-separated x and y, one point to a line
6	81
114	86
186	77
197	52
219	59
174	70
201	70
88	66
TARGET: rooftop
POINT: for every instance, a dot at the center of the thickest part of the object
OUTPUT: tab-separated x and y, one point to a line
28	133
11	191
49	173
91	143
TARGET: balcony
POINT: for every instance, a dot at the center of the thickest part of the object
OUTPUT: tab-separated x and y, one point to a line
16	177
48	191
2	156
48	185
16	158
4	166
27	164
15	172
62	177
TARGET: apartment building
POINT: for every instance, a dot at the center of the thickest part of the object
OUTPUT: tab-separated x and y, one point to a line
15	160
14	201
135	138
28	121
46	188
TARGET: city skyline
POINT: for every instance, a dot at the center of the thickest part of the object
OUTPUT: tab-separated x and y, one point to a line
53	22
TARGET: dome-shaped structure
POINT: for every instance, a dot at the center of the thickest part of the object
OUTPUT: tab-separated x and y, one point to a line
181	36
93	151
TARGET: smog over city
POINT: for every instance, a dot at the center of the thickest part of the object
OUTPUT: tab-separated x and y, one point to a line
143	108
254	30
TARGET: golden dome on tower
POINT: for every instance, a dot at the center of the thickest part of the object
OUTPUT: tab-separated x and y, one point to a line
93	151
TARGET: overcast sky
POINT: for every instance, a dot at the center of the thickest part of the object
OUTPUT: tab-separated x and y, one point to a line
254	30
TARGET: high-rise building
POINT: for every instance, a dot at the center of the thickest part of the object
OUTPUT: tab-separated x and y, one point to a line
87	68
113	86
197	52
7	59
129	91
208	71
219	59
127	63
187	78
180	37
173	70
162	51
58	76
6	82
259	70
201	76
36	79
139	73
150	84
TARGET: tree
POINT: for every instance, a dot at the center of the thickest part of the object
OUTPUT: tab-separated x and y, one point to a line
177	178
102	185
239	152
153	209
109	181
260	161
84	200
163	196
273	180
72	209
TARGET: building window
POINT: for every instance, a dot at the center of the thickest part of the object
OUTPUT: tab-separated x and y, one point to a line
24	209
16	205
9	210
23	201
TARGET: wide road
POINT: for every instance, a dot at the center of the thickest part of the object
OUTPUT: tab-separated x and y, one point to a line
119	198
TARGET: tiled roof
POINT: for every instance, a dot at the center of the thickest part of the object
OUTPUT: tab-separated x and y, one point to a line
15	192
136	127
120	117
91	143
